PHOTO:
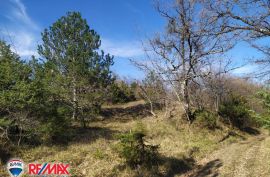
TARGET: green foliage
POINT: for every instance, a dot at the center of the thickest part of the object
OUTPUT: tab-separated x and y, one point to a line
14	85
236	112
4	122
265	96
153	89
121	92
204	118
135	151
29	108
16	95
77	71
99	154
55	126
38	99
264	119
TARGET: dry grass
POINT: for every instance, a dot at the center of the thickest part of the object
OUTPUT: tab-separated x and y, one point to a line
92	152
125	105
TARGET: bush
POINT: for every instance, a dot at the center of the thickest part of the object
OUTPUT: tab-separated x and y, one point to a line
122	93
135	151
88	113
264	119
236	112
205	118
55	127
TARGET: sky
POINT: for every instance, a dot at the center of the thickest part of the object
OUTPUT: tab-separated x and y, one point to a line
122	25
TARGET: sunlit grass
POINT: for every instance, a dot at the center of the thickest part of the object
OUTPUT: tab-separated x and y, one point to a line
95	155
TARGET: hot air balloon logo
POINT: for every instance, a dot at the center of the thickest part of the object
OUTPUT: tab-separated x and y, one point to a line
15	167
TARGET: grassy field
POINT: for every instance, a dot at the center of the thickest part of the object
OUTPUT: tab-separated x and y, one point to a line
92	153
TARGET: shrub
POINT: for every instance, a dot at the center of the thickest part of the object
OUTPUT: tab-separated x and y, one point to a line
235	111
135	151
88	113
264	119
99	154
55	127
205	118
265	122
122	92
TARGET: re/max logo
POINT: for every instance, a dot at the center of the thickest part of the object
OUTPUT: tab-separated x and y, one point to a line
49	169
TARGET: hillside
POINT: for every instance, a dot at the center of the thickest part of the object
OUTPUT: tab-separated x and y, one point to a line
156	88
184	151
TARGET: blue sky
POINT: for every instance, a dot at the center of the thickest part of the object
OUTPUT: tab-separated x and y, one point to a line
122	24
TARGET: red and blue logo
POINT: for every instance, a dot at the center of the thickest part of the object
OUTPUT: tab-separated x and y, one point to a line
15	167
58	169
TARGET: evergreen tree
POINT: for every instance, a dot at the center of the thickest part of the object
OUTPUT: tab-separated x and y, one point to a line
16	98
81	72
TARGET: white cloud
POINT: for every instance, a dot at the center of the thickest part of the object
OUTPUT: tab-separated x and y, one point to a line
21	31
18	14
246	69
22	42
23	35
122	49
26	45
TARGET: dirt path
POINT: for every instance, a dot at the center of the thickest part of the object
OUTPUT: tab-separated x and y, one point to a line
249	158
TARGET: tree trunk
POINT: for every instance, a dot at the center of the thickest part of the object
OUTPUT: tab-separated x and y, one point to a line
74	100
217	104
150	101
187	101
20	135
151	108
184	86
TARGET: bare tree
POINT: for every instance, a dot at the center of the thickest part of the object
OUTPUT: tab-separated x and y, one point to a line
250	20
179	55
216	84
153	91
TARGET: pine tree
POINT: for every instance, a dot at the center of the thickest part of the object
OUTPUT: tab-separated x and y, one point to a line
81	71
16	97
